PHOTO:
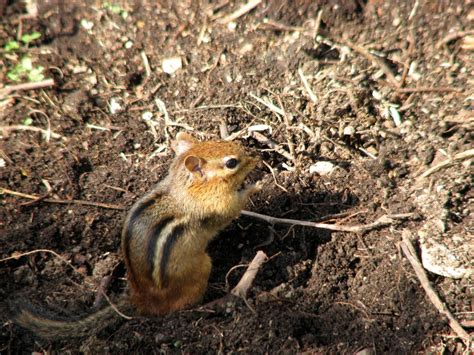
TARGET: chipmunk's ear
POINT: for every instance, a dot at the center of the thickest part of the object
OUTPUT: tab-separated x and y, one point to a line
193	164
183	143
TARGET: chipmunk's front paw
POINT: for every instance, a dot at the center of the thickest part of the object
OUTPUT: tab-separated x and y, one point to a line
253	188
248	189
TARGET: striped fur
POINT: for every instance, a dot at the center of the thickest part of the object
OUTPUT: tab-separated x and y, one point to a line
171	239
156	233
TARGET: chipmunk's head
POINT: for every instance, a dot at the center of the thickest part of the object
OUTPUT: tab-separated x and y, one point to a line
213	166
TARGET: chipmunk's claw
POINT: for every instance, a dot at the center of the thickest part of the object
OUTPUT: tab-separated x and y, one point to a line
253	188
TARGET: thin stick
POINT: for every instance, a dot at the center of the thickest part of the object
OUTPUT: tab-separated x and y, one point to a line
268	142
146	64
274	176
103	286
318	24
27	86
410	253
467	323
385	220
229	272
276	26
269	105
240	11
33	129
223	129
39	199
291	146
310	92
460	156
65	202
114	307
17	256
374	59
452	37
206	107
426	89
246	281
406	66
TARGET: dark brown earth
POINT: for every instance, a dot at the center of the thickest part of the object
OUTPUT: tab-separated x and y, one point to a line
320	292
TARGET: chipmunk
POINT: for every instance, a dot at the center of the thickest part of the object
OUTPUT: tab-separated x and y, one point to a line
166	233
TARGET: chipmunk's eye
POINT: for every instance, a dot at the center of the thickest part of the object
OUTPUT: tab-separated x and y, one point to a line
231	163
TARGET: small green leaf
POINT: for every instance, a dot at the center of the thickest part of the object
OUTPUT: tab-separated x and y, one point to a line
26	64
30	37
116	9
178	344
36	74
13	75
26	70
11	46
27	121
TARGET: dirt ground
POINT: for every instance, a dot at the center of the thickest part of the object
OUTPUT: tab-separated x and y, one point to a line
379	90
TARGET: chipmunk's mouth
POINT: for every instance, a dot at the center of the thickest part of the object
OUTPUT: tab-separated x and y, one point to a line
248	181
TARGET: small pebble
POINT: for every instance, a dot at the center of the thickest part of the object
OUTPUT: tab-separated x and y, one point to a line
322	168
171	65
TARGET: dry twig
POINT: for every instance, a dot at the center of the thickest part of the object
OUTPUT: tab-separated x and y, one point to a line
411	49
427	89
271	144
410	253
460	156
27	86
385	220
146	64
289	141
307	87
64	202
114	307
269	105
101	290
19	255
45	132
274	176
374	59
246	281
318	24
452	37
249	6
271	25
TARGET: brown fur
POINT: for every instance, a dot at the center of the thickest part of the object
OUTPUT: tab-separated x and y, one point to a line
191	196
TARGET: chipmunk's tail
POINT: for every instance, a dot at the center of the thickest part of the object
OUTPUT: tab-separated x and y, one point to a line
49	328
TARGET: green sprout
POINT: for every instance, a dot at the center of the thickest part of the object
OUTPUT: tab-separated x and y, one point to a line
115	9
27	121
27	38
11	46
26	69
36	74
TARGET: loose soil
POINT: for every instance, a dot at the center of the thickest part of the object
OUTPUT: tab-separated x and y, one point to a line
320	291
